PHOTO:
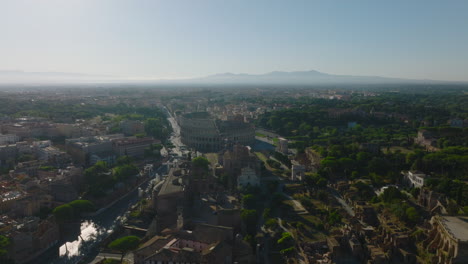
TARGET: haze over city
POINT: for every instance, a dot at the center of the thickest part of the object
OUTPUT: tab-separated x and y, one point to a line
141	40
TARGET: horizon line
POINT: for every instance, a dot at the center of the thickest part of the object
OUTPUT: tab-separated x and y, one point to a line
88	77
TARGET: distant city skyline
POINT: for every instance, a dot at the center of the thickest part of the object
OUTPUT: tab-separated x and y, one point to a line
176	39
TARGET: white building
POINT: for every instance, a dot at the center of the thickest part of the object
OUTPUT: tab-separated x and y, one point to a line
415	179
8	139
248	177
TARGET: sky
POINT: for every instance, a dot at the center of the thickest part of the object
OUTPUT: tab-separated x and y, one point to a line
146	39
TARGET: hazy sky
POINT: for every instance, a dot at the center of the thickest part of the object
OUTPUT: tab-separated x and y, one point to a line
172	39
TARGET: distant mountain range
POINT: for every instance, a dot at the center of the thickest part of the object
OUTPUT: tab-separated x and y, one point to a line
305	78
276	77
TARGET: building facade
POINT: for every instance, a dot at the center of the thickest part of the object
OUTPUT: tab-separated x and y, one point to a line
206	134
133	147
248	177
283	146
414	179
132	127
8	139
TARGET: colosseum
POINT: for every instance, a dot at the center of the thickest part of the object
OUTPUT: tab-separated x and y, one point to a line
205	134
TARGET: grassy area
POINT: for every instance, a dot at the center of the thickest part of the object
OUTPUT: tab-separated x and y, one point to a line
260	135
307	231
319	204
261	156
277	172
135	214
275	141
295	206
304	227
281	173
294	187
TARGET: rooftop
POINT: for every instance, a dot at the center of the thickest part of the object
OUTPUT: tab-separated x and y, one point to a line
418	173
198	115
129	140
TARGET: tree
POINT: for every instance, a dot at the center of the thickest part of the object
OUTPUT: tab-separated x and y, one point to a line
123	172
323	196
249	217
277	199
63	213
282	158
4	243
201	163
415	192
125	244
363	157
412	214
390	194
379	165
250	239
347	164
111	261
248	201
287	251
365	191
272	186
224	179
200	166
92	173
25	157
330	164
46	168
322	182
44	212
156	127
271	223
465	210
273	163
140	135
154	151
333	218
286	240
123	160
266	213
452	208
82	206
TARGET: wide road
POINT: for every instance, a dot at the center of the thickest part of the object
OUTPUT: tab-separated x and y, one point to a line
175	137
